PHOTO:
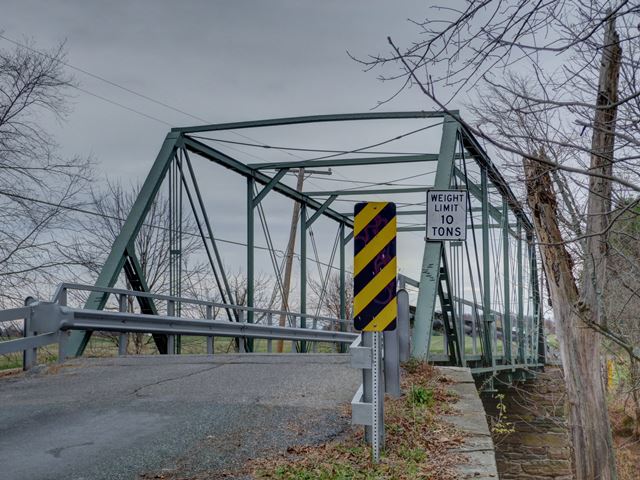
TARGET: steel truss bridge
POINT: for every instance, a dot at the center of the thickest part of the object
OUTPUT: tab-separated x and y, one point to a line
476	303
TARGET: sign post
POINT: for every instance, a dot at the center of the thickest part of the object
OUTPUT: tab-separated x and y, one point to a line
446	215
375	305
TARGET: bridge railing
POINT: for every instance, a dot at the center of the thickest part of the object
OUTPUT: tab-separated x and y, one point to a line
470	322
48	323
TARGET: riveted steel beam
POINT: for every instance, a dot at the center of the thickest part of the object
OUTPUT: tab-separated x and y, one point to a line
365	191
321	210
430	272
226	161
348	162
340	117
115	261
269	186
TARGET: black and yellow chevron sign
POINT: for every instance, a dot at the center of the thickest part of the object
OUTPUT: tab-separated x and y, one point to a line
375	306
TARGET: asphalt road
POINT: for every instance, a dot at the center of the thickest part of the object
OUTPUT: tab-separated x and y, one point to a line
178	416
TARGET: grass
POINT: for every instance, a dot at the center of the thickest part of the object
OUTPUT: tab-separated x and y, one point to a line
419	395
418	444
437	345
104	346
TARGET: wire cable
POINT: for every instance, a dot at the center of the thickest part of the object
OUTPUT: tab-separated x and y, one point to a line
148	225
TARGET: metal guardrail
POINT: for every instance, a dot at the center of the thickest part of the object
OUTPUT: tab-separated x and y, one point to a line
48	323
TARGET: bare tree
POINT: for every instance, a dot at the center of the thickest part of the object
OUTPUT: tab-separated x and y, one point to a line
37	185
540	75
327	296
95	235
622	300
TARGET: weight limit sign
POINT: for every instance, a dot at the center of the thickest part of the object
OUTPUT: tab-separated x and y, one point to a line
446	215
375	307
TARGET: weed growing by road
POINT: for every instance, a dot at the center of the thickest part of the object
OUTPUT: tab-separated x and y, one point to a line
418	443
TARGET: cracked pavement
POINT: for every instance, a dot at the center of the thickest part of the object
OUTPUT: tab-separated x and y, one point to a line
180	416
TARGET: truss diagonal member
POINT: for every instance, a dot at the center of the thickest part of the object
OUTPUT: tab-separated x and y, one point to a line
269	186
226	161
138	282
206	246
321	210
207	222
115	261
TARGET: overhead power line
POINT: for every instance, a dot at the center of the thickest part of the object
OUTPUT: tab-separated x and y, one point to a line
121	87
149	225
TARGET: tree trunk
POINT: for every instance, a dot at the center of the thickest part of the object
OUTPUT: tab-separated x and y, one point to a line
575	312
579	345
634	380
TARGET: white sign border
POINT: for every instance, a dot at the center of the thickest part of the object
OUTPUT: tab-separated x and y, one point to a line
466	207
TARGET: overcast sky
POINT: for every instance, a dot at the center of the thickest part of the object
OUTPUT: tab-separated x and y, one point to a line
226	61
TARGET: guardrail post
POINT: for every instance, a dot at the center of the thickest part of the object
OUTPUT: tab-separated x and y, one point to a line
210	337
171	339
63	337
377	397
30	355
123	339
403	327
314	347
367	386
269	342
241	345
392	362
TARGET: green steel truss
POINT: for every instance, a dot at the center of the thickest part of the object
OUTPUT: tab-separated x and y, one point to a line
484	293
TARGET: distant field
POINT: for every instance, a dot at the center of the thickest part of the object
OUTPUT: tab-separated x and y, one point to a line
100	346
437	345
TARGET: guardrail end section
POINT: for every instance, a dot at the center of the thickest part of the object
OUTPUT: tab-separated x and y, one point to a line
361	357
47	316
361	412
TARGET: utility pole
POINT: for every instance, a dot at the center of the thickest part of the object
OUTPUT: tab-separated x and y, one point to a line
286	284
289	257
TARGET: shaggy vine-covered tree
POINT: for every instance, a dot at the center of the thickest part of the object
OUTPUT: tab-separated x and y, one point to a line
552	88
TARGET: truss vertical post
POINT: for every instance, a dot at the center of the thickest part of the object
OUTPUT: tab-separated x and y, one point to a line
115	261
303	270
430	272
489	321
521	357
506	319
250	254
175	237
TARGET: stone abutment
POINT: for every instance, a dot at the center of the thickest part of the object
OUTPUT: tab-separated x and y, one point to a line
531	436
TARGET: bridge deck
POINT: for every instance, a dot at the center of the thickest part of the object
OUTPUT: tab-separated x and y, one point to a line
117	417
